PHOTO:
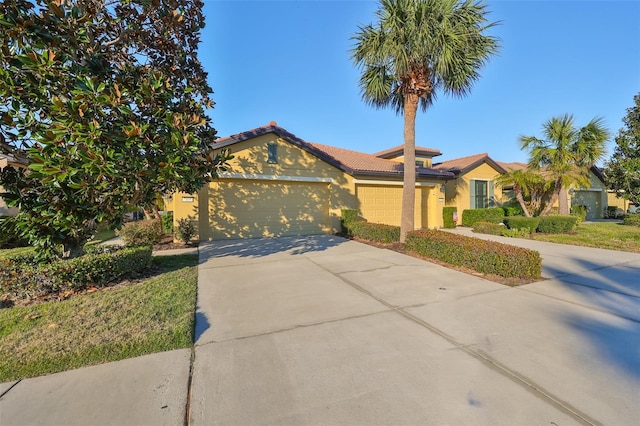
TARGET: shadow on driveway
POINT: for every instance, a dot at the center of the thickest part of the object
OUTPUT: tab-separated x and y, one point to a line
266	246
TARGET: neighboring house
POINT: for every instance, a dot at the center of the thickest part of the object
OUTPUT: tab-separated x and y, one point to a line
279	185
9	161
594	197
473	186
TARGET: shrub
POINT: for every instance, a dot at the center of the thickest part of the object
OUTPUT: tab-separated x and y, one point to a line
143	233
631	220
488	228
519	222
167	223
347	216
513	211
493	215
374	231
614	212
186	230
488	257
516	232
448	214
580	212
22	278
557	224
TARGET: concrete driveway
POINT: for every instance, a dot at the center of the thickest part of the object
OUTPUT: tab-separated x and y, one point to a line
321	330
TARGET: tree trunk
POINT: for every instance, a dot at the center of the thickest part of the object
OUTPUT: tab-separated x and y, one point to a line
409	182
554	196
520	199
563	203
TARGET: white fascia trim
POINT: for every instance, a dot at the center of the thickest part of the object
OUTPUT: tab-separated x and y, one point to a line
589	189
252	176
393	183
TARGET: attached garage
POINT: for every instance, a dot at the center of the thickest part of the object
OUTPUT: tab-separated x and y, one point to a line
381	202
592	200
255	209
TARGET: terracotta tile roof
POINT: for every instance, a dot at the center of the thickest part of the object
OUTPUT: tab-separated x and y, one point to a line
398	151
513	166
351	162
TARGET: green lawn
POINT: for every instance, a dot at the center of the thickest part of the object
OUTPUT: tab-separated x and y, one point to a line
122	322
606	235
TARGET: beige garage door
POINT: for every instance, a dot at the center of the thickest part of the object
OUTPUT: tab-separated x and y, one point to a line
254	209
591	199
380	204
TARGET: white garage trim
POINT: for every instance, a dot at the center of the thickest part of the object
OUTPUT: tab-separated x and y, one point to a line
275	177
392	183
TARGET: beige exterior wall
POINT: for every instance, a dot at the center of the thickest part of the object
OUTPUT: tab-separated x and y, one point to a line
458	193
620	203
428	161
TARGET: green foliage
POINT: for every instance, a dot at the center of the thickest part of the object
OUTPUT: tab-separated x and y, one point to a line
492	214
613	212
376	232
106	103
9	236
516	232
22	278
566	153
488	228
186	230
557	224
487	257
142	233
580	212
622	171
167	223
513	211
632	220
347	216
447	216
520	222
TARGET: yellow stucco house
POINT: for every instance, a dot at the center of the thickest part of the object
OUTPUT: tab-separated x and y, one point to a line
280	185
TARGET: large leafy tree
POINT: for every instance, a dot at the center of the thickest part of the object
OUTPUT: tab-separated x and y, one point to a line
417	49
623	168
105	101
566	154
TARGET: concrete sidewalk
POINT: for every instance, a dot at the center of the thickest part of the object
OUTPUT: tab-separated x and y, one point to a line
321	330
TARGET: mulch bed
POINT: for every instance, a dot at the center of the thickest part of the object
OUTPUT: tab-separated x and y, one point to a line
166	243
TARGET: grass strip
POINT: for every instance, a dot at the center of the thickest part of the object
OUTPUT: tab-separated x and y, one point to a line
612	236
117	323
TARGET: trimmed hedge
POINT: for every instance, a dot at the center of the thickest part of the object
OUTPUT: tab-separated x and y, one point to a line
519	222
513	211
516	233
376	232
488	257
488	228
557	224
631	220
447	216
492	215
23	278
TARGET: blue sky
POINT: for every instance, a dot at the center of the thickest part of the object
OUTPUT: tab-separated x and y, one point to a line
289	61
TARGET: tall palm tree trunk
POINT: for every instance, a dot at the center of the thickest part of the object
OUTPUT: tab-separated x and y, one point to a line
409	183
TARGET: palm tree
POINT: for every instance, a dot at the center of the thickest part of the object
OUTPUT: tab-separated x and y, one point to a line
566	154
526	183
417	48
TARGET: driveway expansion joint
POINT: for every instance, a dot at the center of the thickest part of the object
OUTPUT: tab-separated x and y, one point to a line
9	389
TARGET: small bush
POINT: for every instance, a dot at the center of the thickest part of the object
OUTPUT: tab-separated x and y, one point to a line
580	212
513	211
143	233
557	224
374	231
23	278
167	223
347	216
614	212
519	222
448	214
487	257
516	232
492	215
186	230
488	228
631	220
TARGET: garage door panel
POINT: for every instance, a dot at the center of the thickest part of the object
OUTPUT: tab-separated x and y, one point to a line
252	209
